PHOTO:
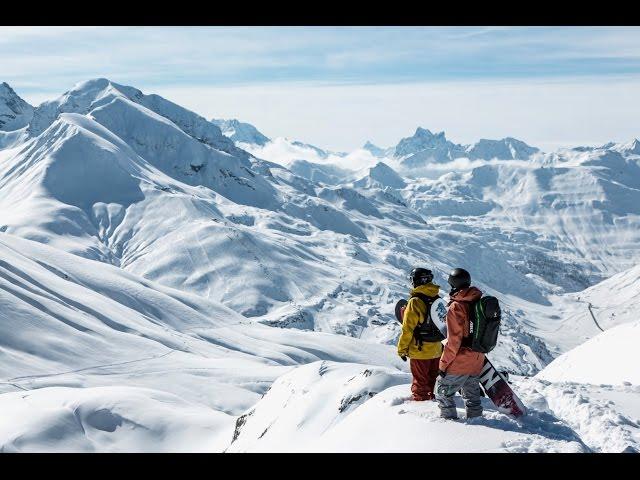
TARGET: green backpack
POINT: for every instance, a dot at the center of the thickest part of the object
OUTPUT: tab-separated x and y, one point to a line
484	325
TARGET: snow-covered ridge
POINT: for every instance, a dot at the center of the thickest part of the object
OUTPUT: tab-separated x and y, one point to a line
148	267
93	94
422	148
127	186
146	165
133	357
15	113
610	358
241	132
329	407
425	147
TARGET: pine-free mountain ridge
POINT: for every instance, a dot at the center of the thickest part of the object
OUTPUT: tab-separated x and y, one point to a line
127	220
423	147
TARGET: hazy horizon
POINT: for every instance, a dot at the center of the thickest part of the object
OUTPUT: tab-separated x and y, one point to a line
340	87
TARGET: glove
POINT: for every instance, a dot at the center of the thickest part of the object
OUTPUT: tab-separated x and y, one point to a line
442	373
403	357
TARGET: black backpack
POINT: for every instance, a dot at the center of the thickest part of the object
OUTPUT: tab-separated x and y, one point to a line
427	330
484	325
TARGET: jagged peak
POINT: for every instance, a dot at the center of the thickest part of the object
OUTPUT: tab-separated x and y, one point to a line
5	87
382	174
9	93
381	166
15	112
425	132
241	132
630	147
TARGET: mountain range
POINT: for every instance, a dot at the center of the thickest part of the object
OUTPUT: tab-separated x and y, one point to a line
142	242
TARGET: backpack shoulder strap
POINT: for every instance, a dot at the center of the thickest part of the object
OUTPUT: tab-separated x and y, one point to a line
426	299
426	321
471	316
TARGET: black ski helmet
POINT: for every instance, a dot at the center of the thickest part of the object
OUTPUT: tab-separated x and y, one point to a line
459	278
420	276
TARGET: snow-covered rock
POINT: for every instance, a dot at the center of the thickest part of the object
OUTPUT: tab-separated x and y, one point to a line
318	172
629	148
15	113
381	175
505	149
241	132
93	94
375	150
425	147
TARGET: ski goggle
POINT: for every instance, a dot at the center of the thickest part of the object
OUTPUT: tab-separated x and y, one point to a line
424	278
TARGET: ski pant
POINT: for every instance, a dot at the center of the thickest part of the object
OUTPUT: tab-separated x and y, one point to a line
448	386
425	373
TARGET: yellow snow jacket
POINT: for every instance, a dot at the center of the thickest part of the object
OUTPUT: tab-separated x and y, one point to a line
414	314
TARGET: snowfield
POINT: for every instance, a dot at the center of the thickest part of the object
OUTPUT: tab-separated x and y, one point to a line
609	358
169	283
352	408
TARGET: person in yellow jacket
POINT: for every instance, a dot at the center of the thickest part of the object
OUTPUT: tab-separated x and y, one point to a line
424	357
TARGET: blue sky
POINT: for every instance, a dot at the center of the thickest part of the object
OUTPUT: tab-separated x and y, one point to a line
338	87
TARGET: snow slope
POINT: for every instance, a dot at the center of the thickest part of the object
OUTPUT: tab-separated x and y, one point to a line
132	354
241	132
505	149
577	218
613	301
610	357
109	419
332	407
145	260
15	113
129	187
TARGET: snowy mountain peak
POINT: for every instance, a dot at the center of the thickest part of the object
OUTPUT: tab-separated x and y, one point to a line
374	149
241	132
5	90
506	149
426	133
386	175
92	95
98	88
632	147
425	147
421	140
15	113
92	84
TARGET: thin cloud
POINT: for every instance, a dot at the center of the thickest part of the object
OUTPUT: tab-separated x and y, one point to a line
338	87
343	117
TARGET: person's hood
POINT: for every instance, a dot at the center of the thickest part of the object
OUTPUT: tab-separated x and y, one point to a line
469	294
428	289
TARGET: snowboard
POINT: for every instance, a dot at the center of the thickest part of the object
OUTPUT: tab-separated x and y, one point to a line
493	382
